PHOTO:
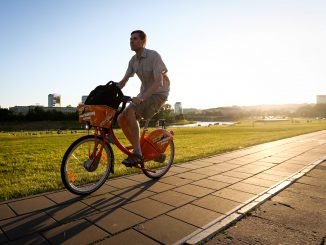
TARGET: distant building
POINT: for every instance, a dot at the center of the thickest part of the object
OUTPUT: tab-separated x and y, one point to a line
54	100
84	97
178	108
321	99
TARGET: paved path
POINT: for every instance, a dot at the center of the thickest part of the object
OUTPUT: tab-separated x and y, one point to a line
296	215
193	201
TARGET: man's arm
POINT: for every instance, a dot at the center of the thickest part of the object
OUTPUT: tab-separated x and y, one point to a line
123	82
129	73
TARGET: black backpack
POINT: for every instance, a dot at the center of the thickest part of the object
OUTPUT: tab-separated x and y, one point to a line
108	94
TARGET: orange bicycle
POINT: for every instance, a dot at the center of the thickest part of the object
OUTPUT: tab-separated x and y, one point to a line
89	160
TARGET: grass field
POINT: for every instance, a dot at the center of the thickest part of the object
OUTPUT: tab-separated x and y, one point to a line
30	162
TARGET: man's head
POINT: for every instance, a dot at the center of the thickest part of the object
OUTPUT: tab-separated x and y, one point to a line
137	40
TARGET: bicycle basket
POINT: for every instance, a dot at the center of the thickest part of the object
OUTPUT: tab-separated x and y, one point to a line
96	115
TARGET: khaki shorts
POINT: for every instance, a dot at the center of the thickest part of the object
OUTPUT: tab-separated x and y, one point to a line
150	106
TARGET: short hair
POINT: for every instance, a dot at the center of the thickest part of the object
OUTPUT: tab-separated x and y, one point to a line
142	34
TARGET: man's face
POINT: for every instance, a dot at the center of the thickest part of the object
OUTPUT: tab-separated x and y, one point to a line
135	42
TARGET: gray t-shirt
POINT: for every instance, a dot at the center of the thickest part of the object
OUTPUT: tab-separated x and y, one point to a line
149	68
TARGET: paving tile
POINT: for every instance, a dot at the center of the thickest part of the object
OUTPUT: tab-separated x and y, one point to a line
274	159
122	183
70	211
173	198
191	176
236	162
248	188
252	169
77	232
116	220
166	229
265	164
257	156
226	166
279	173
31	204
195	215
129	237
196	164
270	177
6	212
220	167
104	189
133	194
148	208
157	186
216	159
170	173
305	159
179	169
26	224
105	202
34	239
216	204
242	160
225	179
211	184
297	160
176	181
194	190
260	182
138	177
63	196
236	174
234	195
288	167
206	171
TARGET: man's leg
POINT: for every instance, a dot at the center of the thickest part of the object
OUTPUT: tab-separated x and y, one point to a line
129	124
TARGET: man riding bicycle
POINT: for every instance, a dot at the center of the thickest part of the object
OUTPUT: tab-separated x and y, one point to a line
154	90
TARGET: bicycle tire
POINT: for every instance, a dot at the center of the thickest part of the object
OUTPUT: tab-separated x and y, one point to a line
76	177
160	168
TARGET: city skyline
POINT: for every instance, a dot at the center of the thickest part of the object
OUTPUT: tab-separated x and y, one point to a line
218	53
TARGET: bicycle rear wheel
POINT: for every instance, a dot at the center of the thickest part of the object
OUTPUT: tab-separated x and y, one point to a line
157	168
85	167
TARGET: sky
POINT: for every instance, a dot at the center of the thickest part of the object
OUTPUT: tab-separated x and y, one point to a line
218	53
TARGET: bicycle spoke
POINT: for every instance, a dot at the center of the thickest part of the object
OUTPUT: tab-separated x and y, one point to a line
73	155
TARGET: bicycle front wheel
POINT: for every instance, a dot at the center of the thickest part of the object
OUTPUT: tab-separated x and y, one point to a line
86	165
157	168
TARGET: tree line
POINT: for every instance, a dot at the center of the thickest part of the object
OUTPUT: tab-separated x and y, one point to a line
167	113
37	114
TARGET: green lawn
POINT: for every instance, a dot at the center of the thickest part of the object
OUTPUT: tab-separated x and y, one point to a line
30	163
